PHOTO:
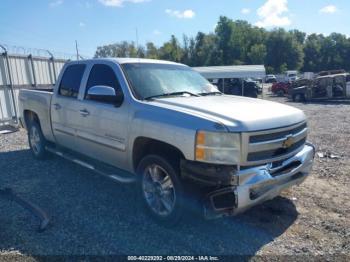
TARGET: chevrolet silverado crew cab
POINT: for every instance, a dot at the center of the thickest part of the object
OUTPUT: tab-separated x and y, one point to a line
162	125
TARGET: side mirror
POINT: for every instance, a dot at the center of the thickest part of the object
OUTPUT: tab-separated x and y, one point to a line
105	94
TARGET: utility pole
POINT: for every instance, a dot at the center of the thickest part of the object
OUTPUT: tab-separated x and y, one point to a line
76	48
137	42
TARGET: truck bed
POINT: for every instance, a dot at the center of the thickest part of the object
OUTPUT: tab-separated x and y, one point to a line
39	102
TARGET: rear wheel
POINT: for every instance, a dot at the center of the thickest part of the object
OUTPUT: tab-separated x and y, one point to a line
161	189
37	142
298	98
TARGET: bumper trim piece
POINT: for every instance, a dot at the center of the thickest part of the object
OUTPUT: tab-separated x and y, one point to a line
34	209
258	184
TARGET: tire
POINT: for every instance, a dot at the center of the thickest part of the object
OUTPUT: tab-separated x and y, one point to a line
298	98
37	142
161	189
280	93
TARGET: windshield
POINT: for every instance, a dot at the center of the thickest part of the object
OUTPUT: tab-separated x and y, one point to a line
151	80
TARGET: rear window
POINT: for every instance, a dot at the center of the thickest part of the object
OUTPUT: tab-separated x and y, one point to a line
71	80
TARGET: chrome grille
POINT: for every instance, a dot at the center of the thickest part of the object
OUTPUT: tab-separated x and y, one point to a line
276	135
272	145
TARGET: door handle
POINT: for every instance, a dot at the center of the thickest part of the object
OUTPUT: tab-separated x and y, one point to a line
57	106
84	112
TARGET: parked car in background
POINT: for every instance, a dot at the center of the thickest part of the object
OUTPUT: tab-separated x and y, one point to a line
335	86
258	79
308	75
280	88
162	125
270	79
291	76
300	82
331	72
237	87
257	84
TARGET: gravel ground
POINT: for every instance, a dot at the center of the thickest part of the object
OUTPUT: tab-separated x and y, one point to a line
94	216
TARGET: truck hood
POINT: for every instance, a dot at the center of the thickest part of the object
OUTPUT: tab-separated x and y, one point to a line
238	114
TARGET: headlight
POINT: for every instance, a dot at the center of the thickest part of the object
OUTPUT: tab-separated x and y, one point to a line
218	147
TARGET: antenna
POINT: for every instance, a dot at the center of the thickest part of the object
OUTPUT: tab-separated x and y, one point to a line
76	48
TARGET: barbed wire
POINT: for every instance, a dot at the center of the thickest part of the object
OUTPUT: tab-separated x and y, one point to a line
21	50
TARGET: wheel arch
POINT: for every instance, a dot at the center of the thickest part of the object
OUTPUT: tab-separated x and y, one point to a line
302	97
30	116
143	146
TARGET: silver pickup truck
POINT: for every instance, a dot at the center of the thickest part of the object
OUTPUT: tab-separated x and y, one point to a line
162	125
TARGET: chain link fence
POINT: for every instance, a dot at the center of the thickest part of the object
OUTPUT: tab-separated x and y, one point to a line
30	68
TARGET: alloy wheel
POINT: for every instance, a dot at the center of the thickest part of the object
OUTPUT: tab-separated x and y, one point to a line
158	190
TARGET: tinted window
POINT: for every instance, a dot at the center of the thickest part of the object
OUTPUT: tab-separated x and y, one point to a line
102	75
71	80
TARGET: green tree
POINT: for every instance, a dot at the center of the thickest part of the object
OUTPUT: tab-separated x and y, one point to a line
312	52
257	54
283	48
238	42
151	51
121	49
188	51
171	50
298	35
223	32
336	48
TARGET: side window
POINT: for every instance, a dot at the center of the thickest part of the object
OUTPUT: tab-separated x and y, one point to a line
71	80
339	79
102	75
323	82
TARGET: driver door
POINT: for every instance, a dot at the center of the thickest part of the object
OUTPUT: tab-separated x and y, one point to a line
103	126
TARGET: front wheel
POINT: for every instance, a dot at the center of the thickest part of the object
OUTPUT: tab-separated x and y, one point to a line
37	142
161	189
280	93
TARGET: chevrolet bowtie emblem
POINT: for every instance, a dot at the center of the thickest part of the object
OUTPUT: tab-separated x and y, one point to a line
288	142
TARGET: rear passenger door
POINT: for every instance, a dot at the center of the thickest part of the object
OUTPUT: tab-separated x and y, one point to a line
64	106
321	88
104	127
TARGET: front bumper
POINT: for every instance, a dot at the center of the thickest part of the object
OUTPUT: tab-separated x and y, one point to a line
258	184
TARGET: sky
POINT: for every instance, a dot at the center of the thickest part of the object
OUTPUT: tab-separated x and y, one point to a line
56	24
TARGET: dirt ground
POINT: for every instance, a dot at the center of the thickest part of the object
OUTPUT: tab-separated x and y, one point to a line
322	202
92	216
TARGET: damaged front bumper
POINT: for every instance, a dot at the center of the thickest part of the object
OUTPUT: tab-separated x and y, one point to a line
257	184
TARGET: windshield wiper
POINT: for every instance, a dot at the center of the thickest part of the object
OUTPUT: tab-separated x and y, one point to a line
170	94
210	93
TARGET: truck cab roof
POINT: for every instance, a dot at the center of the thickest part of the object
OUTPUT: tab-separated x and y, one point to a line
334	75
127	60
